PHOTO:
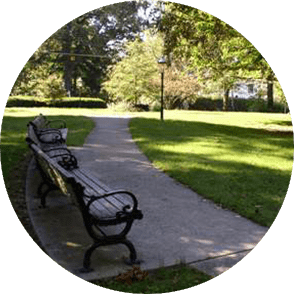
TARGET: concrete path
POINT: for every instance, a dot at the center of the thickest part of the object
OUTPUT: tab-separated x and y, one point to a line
178	225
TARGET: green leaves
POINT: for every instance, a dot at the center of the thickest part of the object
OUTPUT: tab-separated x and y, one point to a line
214	49
130	79
81	51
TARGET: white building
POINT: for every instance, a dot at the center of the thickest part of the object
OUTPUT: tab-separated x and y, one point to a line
245	90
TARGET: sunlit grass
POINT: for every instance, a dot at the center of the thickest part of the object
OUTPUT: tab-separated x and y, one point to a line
241	161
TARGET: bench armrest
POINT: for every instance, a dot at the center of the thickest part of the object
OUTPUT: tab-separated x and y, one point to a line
126	212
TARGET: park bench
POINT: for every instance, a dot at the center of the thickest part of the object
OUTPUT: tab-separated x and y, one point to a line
101	208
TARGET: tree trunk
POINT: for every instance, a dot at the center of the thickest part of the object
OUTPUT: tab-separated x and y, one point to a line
226	100
68	64
67	77
270	96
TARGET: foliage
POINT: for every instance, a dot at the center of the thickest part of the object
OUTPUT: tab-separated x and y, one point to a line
77	102
38	79
130	79
136	78
214	50
180	87
80	51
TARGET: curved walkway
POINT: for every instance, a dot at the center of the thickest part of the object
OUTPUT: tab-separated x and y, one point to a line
178	225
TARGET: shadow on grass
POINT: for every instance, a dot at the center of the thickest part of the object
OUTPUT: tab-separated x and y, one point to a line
279	123
230	165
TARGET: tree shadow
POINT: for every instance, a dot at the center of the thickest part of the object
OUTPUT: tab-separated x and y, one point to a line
279	123
184	131
252	189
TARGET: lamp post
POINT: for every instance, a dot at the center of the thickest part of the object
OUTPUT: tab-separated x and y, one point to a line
161	62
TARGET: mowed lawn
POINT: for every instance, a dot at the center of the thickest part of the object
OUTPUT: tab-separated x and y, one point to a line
242	161
13	134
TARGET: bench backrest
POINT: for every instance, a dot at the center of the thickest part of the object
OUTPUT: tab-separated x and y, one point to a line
40	121
51	169
40	131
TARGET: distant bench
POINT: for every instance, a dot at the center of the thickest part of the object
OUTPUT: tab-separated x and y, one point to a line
101	207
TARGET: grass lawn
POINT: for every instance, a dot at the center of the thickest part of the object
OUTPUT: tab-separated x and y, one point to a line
242	161
13	134
14	150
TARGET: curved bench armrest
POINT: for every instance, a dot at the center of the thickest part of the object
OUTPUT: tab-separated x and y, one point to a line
134	213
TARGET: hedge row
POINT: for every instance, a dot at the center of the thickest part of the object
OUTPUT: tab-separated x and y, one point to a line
71	102
250	105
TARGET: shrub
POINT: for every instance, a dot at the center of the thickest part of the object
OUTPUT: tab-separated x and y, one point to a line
72	102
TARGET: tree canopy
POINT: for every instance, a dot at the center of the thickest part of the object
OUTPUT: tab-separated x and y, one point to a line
82	49
113	51
131	78
136	77
213	49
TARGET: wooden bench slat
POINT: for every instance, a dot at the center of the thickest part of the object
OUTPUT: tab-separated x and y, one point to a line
93	179
99	185
118	201
90	182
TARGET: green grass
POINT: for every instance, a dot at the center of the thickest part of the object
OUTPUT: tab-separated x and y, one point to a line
162	281
13	134
242	161
14	150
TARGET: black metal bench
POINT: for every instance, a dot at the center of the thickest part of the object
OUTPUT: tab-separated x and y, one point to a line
101	207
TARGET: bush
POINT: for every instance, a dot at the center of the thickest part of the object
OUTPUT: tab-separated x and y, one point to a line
141	107
236	104
156	106
76	102
256	105
206	104
72	102
25	101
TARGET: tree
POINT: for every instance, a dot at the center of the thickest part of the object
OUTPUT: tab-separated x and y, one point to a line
213	49
131	78
179	86
83	49
136	77
90	42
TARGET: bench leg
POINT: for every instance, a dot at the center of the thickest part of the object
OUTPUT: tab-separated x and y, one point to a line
42	194
133	255
87	257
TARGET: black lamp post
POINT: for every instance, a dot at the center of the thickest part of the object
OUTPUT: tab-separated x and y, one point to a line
161	62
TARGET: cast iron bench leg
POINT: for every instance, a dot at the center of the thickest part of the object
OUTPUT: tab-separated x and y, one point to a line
133	255
87	256
50	187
